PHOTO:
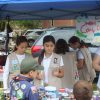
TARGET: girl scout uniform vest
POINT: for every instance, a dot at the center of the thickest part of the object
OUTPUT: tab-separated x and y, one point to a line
14	66
71	75
52	80
88	72
55	63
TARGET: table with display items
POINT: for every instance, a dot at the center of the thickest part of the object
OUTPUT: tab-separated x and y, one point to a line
96	96
65	94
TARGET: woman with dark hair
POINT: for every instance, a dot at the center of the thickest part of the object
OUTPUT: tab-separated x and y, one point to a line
70	68
12	66
61	46
53	63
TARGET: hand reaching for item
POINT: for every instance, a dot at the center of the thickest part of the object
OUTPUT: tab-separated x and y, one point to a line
56	72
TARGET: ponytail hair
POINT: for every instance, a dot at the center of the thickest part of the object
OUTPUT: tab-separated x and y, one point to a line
41	56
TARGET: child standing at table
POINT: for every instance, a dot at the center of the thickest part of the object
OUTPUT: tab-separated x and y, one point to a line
52	63
12	66
21	87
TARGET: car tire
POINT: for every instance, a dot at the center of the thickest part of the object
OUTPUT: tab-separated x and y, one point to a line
30	42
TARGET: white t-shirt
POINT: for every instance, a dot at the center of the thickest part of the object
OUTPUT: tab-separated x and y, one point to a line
6	69
71	49
20	58
98	53
80	55
46	63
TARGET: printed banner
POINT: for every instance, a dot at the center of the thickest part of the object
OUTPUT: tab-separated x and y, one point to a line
88	29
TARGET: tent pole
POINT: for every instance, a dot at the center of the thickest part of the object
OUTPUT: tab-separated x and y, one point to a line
52	23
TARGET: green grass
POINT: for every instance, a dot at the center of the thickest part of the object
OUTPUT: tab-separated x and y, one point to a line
1	84
1	94
94	87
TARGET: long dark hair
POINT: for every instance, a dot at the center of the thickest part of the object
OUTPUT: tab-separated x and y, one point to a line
19	40
61	47
47	38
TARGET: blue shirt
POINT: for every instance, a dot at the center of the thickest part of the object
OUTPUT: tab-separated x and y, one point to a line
23	89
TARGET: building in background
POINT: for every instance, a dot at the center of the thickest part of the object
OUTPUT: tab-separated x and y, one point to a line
58	23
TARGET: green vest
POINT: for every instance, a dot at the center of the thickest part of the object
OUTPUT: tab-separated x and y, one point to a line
14	66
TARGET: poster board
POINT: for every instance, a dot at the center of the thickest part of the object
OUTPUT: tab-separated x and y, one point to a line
88	29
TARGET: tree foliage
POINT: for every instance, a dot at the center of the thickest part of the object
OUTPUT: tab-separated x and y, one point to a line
27	24
21	24
2	25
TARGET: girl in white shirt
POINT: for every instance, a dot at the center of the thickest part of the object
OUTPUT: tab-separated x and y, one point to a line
84	60
12	66
53	63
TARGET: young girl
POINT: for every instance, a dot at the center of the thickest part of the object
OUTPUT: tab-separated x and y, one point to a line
53	63
86	70
84	60
69	60
12	66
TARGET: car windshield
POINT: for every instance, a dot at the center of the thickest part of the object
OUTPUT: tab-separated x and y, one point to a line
28	32
39	32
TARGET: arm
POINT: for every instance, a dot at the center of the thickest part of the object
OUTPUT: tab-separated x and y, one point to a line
6	74
61	69
59	72
96	62
32	95
81	60
80	63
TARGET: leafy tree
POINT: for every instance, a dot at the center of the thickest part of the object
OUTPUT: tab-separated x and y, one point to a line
26	24
21	24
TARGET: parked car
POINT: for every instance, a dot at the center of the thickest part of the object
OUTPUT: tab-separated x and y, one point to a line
32	35
2	36
57	33
64	33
